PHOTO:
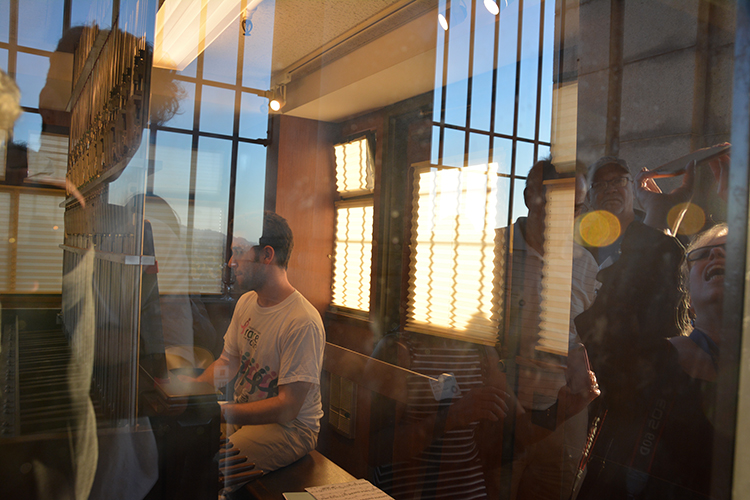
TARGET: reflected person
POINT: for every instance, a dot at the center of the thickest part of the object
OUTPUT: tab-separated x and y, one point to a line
658	385
274	345
551	437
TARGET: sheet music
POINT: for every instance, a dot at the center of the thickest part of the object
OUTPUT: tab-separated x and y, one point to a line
361	489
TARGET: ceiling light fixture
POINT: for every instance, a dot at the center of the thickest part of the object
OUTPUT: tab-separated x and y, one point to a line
184	28
277	98
492	7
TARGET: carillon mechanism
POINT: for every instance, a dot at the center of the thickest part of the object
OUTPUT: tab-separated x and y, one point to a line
107	105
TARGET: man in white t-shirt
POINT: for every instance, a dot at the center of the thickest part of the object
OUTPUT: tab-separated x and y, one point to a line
274	345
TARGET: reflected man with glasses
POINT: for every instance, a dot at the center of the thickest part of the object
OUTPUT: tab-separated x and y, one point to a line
611	190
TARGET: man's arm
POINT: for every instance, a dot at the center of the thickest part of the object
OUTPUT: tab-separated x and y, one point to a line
278	409
220	371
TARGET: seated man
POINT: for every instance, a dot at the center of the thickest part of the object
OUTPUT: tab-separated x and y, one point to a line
275	345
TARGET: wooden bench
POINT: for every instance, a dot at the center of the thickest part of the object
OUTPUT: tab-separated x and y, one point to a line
311	470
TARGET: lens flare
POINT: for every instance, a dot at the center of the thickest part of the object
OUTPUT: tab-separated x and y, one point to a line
599	228
693	220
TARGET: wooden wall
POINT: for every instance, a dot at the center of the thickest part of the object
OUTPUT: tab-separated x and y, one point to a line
305	187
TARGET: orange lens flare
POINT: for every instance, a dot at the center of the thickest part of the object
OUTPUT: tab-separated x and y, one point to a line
599	228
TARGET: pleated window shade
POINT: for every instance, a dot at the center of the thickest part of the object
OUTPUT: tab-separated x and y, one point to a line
32	231
352	258
557	269
452	282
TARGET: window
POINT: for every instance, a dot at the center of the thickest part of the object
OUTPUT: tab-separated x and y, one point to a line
352	260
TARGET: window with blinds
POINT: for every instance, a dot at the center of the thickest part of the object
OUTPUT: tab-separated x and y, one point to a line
452	285
352	257
32	231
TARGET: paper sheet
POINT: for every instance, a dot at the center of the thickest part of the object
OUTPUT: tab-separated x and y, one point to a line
361	489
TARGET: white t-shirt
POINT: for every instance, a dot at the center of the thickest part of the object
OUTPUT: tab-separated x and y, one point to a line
277	345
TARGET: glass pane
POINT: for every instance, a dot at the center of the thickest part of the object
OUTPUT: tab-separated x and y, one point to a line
4	20
527	89
481	83
210	214
524	157
171	180
4	60
254	116
519	204
256	66
548	54
27	130
505	93
502	154
40	23
453	148
437	106
479	149
220	58
31	73
248	208
88	12
183	119
458	64
217	110
503	202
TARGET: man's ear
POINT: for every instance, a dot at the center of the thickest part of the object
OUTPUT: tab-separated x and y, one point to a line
267	254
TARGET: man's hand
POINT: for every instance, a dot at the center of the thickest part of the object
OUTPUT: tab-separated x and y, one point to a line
482	403
658	205
278	409
720	169
582	387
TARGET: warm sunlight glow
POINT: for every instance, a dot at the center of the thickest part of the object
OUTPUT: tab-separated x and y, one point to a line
184	28
599	228
453	259
693	219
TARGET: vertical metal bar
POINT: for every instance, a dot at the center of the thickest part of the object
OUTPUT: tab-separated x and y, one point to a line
732	405
446	41
66	15
614	94
539	80
517	87
493	97
235	142
469	80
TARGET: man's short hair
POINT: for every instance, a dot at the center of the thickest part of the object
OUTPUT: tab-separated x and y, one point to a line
277	235
603	162
547	168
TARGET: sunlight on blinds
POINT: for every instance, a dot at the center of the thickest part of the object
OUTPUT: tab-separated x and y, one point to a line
558	267
354	167
40	233
352	258
6	244
353	247
451	285
565	124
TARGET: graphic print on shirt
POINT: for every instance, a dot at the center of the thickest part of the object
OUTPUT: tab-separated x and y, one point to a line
254	381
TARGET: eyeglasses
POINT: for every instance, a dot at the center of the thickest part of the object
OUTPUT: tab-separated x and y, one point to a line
617	182
702	253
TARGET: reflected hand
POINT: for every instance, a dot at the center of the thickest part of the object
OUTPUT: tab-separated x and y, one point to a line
484	403
658	204
574	400
720	169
